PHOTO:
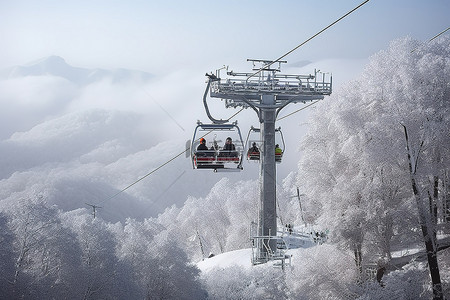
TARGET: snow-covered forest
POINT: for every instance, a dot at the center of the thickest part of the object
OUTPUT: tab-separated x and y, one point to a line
373	170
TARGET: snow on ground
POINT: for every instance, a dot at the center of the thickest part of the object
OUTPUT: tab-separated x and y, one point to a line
299	237
405	252
241	258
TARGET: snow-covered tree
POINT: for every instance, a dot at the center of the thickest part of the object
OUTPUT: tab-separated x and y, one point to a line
174	277
103	274
260	282
134	240
355	163
325	273
410	282
46	256
290	209
7	265
216	223
159	268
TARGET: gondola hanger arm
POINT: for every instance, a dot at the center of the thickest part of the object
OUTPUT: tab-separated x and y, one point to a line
211	78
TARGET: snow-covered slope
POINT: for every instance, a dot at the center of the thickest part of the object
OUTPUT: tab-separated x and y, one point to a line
240	258
300	237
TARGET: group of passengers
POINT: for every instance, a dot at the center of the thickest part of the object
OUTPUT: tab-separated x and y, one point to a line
228	145
255	151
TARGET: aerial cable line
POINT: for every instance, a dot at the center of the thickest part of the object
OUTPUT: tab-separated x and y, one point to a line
235	114
442	32
162	108
161	166
169	187
278	59
184	151
145	176
294	112
155	203
159	105
292	50
439	34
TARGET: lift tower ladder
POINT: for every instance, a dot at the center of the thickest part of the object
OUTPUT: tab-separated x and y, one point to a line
267	91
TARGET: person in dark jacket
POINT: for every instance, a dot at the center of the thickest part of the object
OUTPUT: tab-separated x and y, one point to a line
253	152
254	148
229	145
202	145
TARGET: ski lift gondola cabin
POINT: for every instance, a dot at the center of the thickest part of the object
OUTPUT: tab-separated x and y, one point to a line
254	145
216	155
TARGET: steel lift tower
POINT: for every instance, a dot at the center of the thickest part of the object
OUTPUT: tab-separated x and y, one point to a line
267	92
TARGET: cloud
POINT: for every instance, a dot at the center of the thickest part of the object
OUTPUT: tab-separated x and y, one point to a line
70	136
88	156
83	143
29	100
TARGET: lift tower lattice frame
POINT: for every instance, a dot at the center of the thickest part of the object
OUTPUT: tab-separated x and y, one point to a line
267	91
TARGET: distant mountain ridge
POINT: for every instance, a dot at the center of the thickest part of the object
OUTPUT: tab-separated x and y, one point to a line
57	66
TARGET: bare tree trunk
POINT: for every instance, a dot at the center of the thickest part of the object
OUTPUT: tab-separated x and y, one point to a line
358	261
435	197
387	236
433	212
426	231
435	204
446	198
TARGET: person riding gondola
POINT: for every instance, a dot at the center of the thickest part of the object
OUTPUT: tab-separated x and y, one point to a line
228	150
211	155
229	145
278	153
253	152
202	145
278	150
203	151
254	148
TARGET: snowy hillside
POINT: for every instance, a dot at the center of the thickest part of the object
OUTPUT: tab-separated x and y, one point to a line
299	238
97	198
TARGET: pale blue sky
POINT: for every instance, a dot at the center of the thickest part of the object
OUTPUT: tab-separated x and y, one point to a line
158	36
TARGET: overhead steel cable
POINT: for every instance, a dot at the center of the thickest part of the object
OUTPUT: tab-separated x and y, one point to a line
160	166
298	46
184	151
278	59
437	35
156	201
145	176
162	108
442	32
294	112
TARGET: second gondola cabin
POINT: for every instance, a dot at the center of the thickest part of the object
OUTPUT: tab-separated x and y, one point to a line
254	145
